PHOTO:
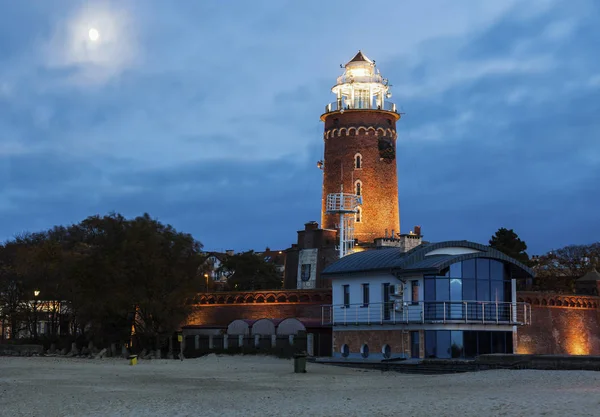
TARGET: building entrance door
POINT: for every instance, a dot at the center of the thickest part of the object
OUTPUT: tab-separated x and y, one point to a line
414	344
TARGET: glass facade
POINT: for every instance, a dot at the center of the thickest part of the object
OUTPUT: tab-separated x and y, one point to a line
481	282
447	344
468	290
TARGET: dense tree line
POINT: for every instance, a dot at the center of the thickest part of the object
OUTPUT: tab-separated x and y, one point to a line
100	280
559	269
556	270
247	271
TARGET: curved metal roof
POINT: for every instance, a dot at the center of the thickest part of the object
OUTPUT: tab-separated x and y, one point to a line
417	261
369	260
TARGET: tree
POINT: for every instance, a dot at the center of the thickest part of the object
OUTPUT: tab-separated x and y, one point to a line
509	243
113	273
250	272
12	296
42	266
163	276
17	286
558	269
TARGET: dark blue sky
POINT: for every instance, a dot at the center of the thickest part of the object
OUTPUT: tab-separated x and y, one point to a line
206	114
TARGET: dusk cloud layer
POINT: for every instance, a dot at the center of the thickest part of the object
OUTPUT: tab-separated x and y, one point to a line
206	114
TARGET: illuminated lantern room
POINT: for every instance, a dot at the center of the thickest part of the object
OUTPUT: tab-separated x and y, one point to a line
361	87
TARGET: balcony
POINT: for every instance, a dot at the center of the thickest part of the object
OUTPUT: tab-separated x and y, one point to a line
360	105
428	312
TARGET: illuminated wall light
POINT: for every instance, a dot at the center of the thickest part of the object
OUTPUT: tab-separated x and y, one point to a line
577	342
578	346
523	350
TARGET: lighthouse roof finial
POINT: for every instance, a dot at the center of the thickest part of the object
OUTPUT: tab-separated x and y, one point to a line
360	57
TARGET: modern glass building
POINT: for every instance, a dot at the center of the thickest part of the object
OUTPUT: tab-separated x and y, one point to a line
452	299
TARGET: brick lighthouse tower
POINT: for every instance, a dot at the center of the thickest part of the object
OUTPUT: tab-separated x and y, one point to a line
360	151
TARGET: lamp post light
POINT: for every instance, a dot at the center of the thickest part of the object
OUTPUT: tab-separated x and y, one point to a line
206	276
36	293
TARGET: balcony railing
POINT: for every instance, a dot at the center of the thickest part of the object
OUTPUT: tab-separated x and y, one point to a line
360	105
428	312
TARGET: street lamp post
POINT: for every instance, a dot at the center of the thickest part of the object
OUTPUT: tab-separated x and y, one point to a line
36	293
206	276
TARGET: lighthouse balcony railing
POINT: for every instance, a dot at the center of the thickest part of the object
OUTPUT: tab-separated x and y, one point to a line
428	312
360	105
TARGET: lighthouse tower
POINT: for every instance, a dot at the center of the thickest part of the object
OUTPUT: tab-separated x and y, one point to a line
360	151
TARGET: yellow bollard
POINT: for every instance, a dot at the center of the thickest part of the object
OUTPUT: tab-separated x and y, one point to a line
132	360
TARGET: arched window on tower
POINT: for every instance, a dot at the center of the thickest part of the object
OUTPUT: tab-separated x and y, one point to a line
358	215
358	161
358	187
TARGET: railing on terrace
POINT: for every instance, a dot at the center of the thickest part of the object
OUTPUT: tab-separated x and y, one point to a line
360	105
430	312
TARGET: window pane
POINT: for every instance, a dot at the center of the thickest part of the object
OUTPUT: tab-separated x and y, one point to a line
444	344
455	289
365	294
497	291
468	269
469	290
429	293
456	270
457	347
387	304
483	269
498	342
470	344
442	293
442	289
483	290
415	291
456	307
470	294
430	346
497	270
485	342
346	289
507	291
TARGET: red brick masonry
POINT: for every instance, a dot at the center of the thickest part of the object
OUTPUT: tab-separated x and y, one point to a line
347	134
560	324
221	308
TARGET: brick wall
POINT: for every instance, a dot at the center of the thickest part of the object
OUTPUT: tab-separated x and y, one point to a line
398	340
223	314
560	324
359	132
221	308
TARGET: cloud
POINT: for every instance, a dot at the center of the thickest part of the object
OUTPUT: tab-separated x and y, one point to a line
92	62
207	116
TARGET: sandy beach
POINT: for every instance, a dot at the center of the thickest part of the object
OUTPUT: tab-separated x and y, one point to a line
264	386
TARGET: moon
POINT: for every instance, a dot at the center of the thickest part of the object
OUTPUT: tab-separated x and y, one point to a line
93	34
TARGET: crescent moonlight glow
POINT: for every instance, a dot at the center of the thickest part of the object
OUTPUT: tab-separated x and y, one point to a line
93	34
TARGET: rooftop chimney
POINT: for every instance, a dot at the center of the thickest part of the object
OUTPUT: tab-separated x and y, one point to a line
418	230
311	226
